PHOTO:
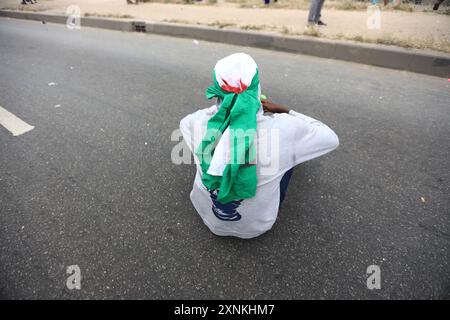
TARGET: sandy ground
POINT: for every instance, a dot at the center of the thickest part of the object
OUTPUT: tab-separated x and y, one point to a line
418	29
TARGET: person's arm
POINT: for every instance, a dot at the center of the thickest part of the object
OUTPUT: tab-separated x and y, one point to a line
311	138
269	106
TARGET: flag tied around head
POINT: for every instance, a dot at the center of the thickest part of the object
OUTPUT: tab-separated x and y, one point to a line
236	84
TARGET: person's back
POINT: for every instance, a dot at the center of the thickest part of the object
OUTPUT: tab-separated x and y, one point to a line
283	140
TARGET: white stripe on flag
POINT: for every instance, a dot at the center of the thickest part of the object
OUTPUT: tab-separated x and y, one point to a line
14	125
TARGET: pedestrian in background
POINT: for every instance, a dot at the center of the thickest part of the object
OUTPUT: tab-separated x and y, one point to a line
437	4
267	2
315	12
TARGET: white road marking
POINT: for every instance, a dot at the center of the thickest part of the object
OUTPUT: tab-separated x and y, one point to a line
14	125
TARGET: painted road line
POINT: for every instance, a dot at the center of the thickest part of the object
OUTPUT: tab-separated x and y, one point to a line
14	125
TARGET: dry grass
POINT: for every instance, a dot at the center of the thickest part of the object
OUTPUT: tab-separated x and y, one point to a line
178	21
410	42
33	8
312	32
405	5
415	43
109	15
216	24
302	4
253	27
178	1
444	11
402	7
281	4
222	24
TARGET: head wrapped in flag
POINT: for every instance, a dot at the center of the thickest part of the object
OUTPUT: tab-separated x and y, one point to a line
233	127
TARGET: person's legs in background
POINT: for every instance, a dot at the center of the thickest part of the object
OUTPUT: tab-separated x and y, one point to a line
437	4
284	183
314	11
319	14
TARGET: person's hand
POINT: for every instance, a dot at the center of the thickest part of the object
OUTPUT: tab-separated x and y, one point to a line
273	107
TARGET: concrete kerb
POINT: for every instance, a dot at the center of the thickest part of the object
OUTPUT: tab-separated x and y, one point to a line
420	61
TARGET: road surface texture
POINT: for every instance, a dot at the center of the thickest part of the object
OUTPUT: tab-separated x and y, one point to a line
93	183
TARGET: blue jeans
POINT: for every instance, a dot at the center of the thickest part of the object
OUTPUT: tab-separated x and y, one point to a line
314	10
284	183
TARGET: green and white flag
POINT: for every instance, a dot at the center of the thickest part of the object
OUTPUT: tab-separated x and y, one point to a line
227	151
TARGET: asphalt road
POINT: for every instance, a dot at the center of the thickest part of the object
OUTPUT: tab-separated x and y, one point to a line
93	184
